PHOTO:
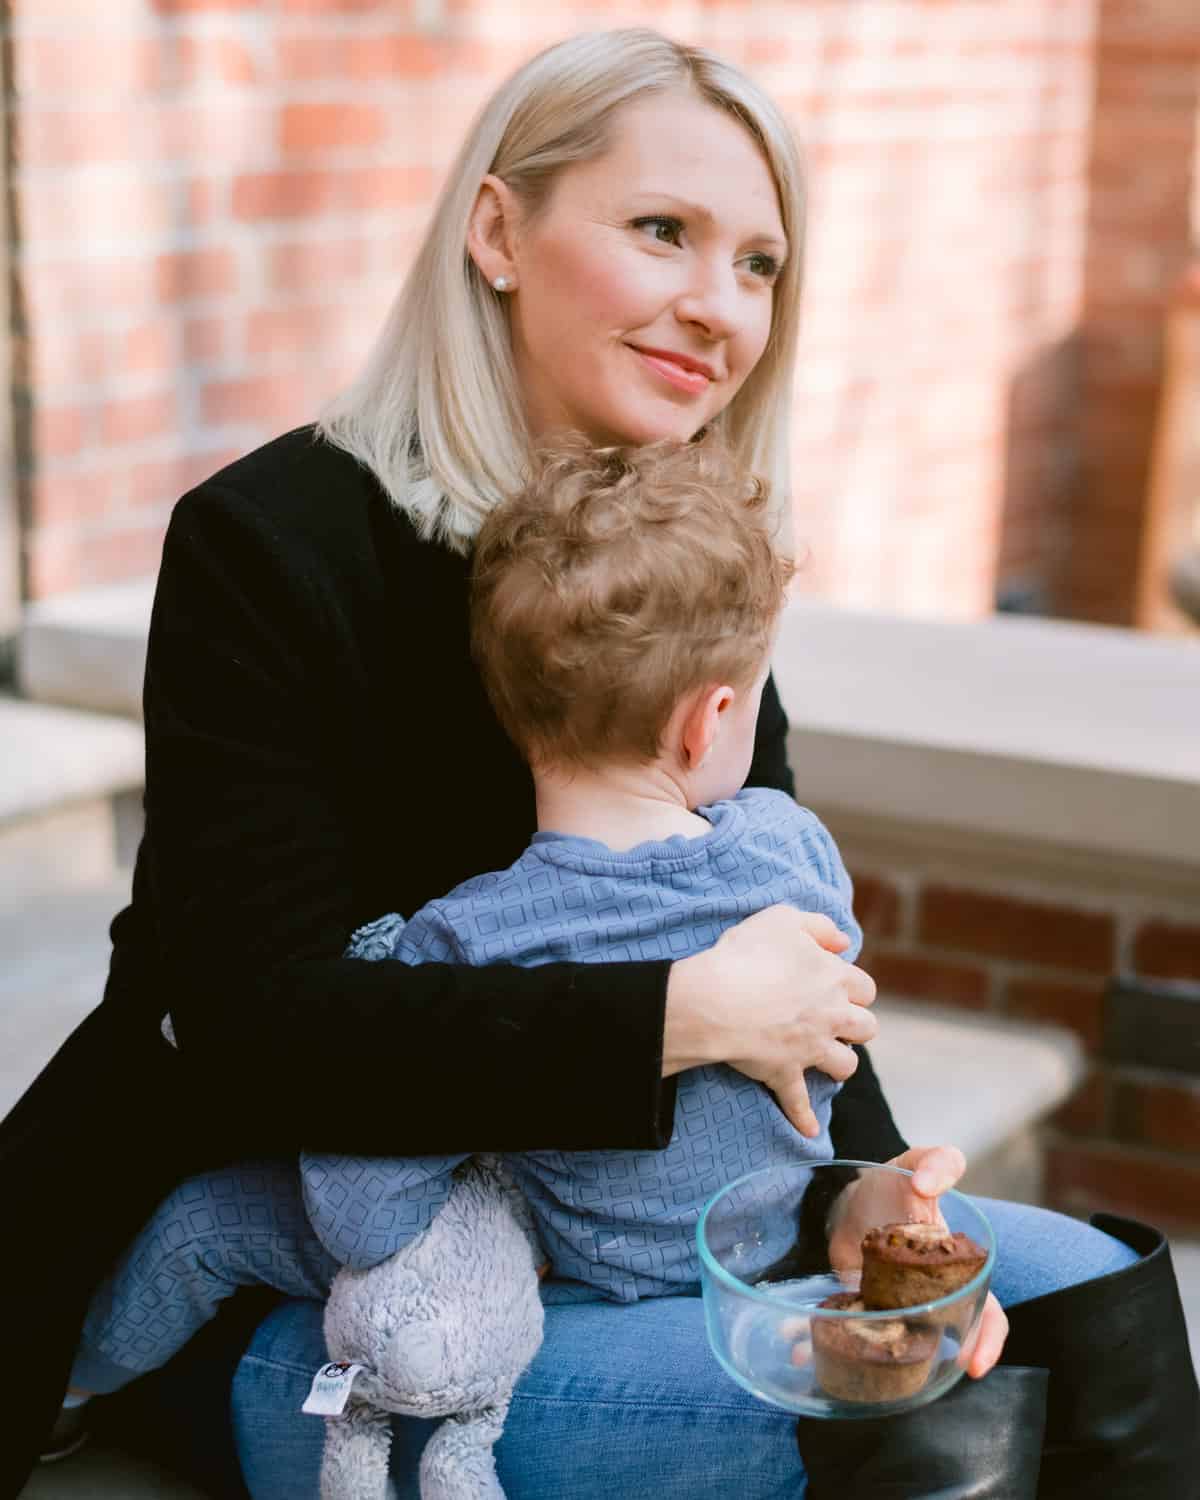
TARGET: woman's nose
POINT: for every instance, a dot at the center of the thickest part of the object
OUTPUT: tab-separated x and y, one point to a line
711	302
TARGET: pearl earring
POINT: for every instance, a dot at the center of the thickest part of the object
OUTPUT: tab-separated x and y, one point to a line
502	283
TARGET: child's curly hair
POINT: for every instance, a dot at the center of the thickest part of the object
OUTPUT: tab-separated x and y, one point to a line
618	581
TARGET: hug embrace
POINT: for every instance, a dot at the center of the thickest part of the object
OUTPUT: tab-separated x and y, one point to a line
471	838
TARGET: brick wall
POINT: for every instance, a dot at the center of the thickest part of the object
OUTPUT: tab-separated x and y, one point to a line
217	198
1141	234
1129	1139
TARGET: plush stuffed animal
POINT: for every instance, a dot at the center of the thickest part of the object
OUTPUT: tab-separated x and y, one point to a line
444	1328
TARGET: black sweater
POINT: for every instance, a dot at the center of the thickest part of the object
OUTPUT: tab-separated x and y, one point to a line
319	750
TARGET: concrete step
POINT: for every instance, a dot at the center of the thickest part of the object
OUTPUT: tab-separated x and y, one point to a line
105	1474
978	1082
70	798
59	756
87	649
56	952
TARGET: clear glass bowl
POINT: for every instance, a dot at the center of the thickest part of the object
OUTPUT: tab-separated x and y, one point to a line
765	1266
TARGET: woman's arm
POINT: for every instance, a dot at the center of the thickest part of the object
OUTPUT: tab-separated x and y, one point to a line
250	864
862	1125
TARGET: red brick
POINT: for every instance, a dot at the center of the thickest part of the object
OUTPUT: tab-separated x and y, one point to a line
219	58
1167	950
74	556
59	498
269	400
107	207
316	263
1010	927
1083	1177
395	57
64	356
1160	1112
332	7
188	274
374	188
54	563
58	431
148	350
75	137
303	59
163	481
292	330
202	199
1078	1006
331	126
1086	1112
876	905
196	7
138	417
49	65
283	195
70	288
204	133
124	553
914	976
203	339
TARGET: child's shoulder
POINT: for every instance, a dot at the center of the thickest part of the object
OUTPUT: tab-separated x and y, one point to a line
765	807
775	823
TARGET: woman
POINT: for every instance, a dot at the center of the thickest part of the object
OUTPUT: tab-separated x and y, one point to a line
617	250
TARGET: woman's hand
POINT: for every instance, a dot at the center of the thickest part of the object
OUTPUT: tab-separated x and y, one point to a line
771	998
885	1198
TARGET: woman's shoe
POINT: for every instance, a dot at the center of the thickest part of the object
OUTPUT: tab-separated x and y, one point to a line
980	1441
70	1431
1123	1409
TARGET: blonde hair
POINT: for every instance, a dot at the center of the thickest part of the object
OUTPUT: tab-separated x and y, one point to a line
616	583
435	413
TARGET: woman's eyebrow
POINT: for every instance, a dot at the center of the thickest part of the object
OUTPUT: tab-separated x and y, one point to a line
706	216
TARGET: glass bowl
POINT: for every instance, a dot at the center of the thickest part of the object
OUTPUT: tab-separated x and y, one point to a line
765	1266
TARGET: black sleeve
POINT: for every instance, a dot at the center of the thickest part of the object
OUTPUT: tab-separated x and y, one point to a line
249	867
862	1126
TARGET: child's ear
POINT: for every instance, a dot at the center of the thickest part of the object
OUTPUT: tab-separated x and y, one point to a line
702	722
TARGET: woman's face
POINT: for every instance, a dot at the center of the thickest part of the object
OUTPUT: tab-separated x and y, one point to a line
644	287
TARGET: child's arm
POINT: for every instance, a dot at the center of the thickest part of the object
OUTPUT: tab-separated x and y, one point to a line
821	882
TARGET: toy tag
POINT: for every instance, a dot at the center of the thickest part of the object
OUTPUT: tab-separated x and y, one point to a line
330	1390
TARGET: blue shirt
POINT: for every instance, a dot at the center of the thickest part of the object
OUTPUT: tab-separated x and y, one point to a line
618	1224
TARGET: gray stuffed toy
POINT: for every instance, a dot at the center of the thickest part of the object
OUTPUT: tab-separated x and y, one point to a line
443	1328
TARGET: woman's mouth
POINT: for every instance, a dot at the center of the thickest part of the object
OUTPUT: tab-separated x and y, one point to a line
693	382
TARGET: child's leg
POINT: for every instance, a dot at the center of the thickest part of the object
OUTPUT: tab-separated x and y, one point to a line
243	1226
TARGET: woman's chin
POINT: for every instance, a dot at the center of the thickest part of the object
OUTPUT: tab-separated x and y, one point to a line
670	427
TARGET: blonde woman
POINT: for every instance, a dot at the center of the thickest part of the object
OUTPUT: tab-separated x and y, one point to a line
618	251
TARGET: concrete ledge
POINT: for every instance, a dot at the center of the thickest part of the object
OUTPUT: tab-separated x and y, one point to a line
88	649
1082	737
57	756
976	1082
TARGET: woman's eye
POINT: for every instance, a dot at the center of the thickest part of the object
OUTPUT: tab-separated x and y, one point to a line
762	265
665	230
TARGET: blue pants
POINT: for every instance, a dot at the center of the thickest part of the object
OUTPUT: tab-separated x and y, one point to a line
620	1400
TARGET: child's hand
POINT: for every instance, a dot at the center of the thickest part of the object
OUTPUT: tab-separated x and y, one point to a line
885	1198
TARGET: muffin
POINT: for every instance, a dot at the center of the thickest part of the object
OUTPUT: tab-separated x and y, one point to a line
877	1359
904	1265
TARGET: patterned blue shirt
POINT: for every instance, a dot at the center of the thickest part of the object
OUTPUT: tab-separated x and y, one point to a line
614	1224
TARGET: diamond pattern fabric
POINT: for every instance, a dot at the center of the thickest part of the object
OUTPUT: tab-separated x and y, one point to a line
615	1224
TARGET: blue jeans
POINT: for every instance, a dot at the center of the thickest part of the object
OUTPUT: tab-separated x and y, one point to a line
621	1400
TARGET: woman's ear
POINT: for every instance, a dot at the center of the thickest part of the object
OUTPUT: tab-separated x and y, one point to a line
492	231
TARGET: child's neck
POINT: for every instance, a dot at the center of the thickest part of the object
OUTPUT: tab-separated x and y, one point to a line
619	805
